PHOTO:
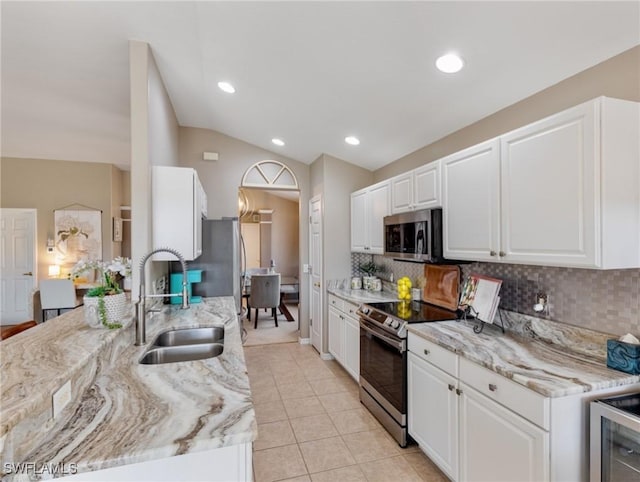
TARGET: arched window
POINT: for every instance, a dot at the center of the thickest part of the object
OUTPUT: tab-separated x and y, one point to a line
270	175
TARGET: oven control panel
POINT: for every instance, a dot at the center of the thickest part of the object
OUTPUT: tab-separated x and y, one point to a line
381	318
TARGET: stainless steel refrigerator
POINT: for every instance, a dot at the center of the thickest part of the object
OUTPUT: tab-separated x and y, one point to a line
220	261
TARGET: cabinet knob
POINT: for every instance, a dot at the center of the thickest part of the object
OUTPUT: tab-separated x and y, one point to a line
502	254
492	253
458	391
426	352
451	387
493	387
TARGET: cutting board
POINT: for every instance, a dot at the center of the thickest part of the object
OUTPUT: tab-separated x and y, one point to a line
442	287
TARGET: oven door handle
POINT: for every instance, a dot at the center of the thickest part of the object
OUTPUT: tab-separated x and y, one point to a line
398	345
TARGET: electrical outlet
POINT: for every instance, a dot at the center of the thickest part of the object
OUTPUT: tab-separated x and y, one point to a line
61	398
161	284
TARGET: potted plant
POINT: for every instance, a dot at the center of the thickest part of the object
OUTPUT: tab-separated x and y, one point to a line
105	304
369	269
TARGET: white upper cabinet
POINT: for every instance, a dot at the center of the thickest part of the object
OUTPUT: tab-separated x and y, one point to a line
369	206
563	191
471	203
177	208
402	193
418	189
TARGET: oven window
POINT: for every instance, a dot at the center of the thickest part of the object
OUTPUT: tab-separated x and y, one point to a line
383	366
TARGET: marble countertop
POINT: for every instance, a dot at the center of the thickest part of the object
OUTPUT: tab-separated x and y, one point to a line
550	358
122	412
362	296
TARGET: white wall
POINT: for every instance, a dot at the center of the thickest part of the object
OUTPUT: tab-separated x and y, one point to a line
154	141
335	180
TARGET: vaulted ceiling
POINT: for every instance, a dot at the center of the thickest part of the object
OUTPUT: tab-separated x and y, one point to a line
309	73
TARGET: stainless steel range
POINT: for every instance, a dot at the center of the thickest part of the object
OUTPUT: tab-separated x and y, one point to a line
383	358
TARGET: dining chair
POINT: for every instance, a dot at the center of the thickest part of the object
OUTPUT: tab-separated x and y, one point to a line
57	294
265	293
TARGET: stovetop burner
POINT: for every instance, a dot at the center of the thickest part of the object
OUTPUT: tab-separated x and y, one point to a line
410	311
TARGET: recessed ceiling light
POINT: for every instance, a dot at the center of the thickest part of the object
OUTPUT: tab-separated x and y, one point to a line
277	142
354	141
227	87
449	63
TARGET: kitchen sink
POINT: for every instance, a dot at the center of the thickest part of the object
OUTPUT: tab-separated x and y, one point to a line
189	336
172	354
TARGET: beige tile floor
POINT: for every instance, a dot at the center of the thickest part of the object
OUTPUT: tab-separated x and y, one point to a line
312	427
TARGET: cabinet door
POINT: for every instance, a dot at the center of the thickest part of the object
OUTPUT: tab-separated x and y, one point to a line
433	413
175	212
359	232
402	193
336	336
378	208
352	346
471	207
548	190
498	445
426	186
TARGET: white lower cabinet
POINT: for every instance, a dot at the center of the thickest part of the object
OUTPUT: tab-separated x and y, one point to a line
233	462
498	445
336	336
467	434
477	425
344	335
352	346
433	413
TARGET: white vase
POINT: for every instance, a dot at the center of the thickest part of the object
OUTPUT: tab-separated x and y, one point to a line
115	307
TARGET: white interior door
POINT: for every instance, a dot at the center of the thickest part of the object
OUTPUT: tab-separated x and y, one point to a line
251	236
18	228
315	254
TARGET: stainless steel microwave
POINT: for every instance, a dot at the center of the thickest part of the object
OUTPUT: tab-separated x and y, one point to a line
414	236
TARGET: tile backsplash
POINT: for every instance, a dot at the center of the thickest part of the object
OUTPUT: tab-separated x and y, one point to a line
602	300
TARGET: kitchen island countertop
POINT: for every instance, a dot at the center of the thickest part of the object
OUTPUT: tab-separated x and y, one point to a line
126	412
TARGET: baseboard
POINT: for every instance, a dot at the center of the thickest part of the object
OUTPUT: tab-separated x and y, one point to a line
304	341
327	356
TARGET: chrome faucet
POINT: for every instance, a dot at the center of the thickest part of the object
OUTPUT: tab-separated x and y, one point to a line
141	311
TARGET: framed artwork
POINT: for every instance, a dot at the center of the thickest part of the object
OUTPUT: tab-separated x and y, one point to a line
117	230
78	234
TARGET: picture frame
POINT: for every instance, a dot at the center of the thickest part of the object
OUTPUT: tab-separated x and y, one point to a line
78	234
117	229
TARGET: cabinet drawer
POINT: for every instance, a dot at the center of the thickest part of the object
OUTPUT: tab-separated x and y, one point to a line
526	403
336	302
350	309
442	358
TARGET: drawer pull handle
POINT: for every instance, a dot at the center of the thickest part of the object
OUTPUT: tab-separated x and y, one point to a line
493	387
458	391
502	254
426	352
451	387
492	253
